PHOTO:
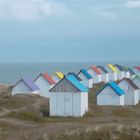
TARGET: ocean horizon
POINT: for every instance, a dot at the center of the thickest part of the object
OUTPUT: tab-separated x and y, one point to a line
10	73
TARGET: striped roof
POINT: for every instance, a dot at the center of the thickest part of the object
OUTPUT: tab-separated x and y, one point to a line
59	74
76	83
85	73
75	75
95	69
47	77
119	67
114	86
29	82
112	68
130	82
103	69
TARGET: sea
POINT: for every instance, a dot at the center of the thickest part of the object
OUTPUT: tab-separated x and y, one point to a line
10	73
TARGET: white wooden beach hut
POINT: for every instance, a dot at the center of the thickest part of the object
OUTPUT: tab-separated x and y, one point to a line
131	96
126	72
111	94
87	79
68	98
136	70
132	73
25	86
44	82
136	80
57	76
95	73
105	74
112	72
120	72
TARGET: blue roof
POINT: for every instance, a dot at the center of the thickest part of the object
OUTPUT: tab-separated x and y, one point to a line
29	82
114	86
76	83
75	75
87	75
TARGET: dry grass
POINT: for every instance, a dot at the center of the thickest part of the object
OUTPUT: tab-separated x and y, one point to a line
30	109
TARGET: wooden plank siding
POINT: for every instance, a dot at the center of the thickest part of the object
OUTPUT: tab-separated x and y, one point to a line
64	86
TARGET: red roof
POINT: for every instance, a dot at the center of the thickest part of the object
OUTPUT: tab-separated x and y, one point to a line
94	68
138	68
49	79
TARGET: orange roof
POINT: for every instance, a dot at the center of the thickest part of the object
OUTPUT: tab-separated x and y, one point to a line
94	68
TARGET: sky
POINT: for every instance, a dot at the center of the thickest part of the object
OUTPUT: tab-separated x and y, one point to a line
69	30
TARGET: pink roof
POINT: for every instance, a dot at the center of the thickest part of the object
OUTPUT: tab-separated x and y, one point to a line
138	68
95	69
49	78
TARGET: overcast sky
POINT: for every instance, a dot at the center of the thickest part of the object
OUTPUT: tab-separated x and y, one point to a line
69	30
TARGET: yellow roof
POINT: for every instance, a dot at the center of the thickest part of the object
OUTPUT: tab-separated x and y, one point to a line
112	68
60	75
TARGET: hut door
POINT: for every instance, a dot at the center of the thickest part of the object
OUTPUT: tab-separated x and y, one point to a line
68	104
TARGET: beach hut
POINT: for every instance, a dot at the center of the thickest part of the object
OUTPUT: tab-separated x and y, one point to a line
44	82
95	73
110	94
112	72
136	80
126	72
105	74
75	75
57	76
87	79
25	86
120	71
132	73
136	70
68	98
131	91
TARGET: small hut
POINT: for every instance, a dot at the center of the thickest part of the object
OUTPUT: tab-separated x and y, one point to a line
44	82
110	94
95	73
132	73
112	72
126	72
57	76
25	86
87	79
136	80
104	73
120	71
68	98
132	91
136	70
